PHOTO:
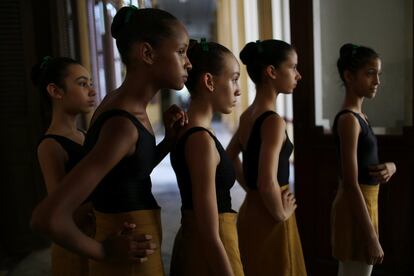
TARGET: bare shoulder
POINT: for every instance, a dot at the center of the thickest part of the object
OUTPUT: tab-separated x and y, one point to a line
347	122
200	142
120	128
273	123
49	147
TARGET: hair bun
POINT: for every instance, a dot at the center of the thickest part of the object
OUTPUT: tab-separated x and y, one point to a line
119	21
346	50
249	53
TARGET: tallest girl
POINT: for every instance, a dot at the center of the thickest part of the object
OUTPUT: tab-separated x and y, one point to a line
122	151
355	240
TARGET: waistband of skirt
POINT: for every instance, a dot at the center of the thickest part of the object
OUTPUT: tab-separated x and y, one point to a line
139	217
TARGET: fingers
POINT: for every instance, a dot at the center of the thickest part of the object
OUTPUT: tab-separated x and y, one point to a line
143	245
127	228
186	117
141	238
377	167
140	253
177	116
138	259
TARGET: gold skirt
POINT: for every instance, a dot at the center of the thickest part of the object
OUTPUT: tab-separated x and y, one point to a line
187	257
268	247
65	262
147	222
347	240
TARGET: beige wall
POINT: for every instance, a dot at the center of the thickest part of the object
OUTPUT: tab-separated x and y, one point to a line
231	21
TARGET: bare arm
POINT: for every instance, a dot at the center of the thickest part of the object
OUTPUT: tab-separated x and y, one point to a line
52	158
233	150
280	206
348	130
202	159
54	215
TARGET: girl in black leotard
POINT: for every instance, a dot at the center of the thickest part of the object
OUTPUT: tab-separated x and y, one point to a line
67	86
268	235
355	209
206	243
121	151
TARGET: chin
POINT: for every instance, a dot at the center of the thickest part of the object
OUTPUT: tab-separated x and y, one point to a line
227	111
178	86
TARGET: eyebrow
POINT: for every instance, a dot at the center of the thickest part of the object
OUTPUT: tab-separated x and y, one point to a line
82	77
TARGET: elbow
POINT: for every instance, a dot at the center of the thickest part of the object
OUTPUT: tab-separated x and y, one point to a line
42	220
38	221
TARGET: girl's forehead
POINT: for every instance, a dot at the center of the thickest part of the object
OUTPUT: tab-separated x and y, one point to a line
373	63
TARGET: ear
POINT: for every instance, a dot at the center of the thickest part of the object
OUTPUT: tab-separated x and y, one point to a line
348	76
54	91
271	72
146	52
208	81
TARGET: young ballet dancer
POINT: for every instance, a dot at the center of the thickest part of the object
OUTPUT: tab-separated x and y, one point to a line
67	86
355	240
268	236
121	152
206	243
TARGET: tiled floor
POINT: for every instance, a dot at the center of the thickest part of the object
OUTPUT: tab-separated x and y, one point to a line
166	192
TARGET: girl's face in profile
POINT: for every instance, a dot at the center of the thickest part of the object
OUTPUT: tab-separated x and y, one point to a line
366	80
227	88
172	62
288	75
79	93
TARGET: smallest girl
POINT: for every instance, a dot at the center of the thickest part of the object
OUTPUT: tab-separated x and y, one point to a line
355	239
67	88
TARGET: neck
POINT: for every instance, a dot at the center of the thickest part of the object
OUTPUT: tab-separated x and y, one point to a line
266	97
352	101
200	112
135	93
62	122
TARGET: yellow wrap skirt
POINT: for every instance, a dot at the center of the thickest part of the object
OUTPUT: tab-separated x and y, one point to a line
188	258
147	222
347	239
268	247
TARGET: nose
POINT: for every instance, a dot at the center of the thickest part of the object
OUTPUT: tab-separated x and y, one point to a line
188	65
377	80
237	92
92	92
298	76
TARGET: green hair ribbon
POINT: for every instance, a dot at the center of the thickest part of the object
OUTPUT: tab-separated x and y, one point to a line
354	49
204	44
45	61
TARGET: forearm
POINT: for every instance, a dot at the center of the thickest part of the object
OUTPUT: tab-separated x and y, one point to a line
72	238
239	173
359	209
272	199
62	230
216	257
162	149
